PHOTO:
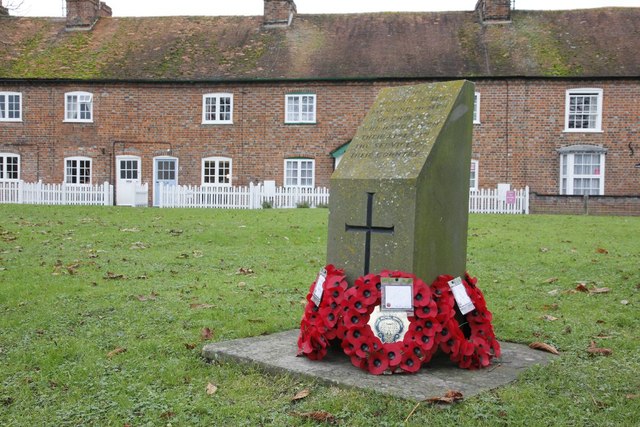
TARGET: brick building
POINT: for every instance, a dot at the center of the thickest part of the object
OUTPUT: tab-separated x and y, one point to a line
233	100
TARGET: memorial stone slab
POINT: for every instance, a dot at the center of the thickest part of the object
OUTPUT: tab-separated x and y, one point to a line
400	196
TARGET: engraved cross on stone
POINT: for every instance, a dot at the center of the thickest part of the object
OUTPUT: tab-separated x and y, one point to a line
368	229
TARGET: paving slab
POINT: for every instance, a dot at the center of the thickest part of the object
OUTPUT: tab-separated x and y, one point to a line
276	353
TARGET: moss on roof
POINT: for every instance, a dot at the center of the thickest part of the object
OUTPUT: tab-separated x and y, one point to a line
579	43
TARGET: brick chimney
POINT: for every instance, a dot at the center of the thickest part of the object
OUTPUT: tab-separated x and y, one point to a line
83	14
494	11
278	13
3	10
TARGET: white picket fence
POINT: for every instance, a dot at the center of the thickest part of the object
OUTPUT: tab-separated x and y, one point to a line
491	200
37	193
240	197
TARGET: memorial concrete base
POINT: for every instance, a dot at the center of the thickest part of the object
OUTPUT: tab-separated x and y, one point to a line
276	353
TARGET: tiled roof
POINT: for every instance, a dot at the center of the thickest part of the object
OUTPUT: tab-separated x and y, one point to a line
585	43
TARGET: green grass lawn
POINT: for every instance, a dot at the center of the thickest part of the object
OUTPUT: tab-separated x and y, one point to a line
103	312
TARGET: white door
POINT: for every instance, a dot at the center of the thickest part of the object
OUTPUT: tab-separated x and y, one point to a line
128	173
165	171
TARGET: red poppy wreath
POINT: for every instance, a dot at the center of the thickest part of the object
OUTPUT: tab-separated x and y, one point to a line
320	320
390	345
469	339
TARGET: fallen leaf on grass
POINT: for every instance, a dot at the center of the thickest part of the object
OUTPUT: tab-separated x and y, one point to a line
632	396
72	268
549	318
167	415
596	290
143	298
116	351
544	347
190	345
211	389
113	276
243	270
582	288
206	334
449	397
551	280
624	302
300	395
196	306
593	349
602	251
322	416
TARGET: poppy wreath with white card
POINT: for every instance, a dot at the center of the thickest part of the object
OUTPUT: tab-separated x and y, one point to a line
468	339
319	324
387	341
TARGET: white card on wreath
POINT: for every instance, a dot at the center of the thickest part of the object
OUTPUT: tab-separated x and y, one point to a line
461	296
318	290
397	294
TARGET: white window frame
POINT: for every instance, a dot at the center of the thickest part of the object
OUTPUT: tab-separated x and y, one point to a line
581	92
68	177
4	164
5	103
568	173
296	180
476	108
75	108
295	105
215	100
473	175
217	177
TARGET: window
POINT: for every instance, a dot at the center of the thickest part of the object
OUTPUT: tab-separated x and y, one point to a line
216	171
299	172
10	107
9	167
300	108
78	107
582	170
476	108
583	110
217	108
473	177
77	170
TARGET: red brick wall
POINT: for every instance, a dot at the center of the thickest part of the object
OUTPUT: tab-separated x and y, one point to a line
277	11
584	205
82	12
522	126
494	10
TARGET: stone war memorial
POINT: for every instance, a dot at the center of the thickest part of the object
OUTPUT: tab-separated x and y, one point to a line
395	290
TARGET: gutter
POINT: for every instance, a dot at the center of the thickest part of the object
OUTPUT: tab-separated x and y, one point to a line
304	79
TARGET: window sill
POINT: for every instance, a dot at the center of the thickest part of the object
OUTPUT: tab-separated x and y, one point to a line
583	130
10	120
217	123
77	121
300	123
